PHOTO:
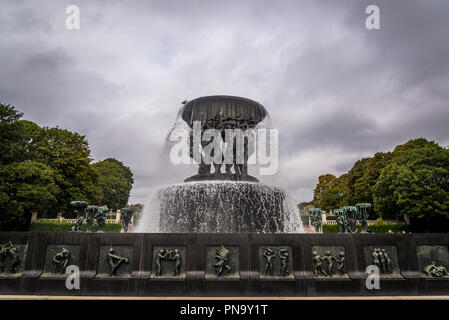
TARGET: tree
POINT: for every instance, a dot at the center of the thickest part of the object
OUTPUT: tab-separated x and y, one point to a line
362	188
416	182
325	183
25	187
338	196
115	180
12	137
354	174
68	154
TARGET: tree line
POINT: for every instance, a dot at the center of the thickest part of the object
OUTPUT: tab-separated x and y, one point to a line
43	169
410	181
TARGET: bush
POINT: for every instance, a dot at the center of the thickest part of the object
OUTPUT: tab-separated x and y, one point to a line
331	218
305	219
333	228
56	226
375	228
385	227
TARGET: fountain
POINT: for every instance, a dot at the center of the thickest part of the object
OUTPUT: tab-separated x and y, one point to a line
222	197
224	234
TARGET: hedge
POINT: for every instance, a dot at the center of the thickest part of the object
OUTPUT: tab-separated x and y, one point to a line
56	226
331	218
375	228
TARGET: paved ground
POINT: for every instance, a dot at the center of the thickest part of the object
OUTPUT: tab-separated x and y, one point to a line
43	297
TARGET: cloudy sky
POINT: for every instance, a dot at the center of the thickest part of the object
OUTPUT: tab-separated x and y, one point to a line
336	91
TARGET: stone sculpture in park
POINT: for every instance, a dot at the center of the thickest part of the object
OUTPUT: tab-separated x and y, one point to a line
61	260
90	216
222	255
219	134
328	265
269	255
10	250
171	255
127	214
341	263
100	216
363	213
382	260
114	261
350	213
283	255
316	218
79	208
432	270
341	220
222	114
318	265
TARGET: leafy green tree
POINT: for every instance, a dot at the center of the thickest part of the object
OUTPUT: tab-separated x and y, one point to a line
25	187
115	180
325	183
416	182
354	174
68	154
362	188
12	137
338	196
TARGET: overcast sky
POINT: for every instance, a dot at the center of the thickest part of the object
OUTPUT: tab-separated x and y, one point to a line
336	91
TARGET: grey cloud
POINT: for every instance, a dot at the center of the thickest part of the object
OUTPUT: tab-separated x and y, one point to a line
337	91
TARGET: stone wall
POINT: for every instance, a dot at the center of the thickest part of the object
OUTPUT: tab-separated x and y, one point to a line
225	264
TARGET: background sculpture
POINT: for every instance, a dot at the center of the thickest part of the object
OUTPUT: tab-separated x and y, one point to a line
127	214
79	209
316	218
100	216
363	214
90	216
341	220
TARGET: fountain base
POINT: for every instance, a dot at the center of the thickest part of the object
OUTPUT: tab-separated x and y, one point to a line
225	207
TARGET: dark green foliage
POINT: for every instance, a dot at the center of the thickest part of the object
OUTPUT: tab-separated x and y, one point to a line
68	154
41	170
55	226
412	180
375	228
305	219
385	227
12	137
116	181
25	187
321	198
416	182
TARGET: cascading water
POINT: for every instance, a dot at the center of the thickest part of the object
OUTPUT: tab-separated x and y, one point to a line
231	202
